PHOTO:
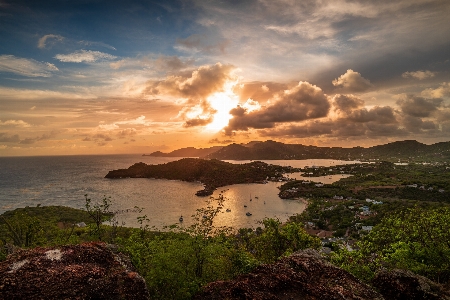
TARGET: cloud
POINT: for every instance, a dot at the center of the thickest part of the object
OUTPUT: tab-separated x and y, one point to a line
126	133
14	123
347	103
442	91
419	74
45	136
98	137
5	138
302	102
204	43
195	87
198	122
260	91
99	44
415	106
88	56
417	125
352	82
222	142
197	84
43	40
375	122
26	67
115	125
172	63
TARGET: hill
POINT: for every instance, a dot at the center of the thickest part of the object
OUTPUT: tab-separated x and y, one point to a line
408	150
187	152
212	173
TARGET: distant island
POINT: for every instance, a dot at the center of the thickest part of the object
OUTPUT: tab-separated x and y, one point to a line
403	151
212	173
187	152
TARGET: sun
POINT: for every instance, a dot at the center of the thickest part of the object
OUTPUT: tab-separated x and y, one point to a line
222	102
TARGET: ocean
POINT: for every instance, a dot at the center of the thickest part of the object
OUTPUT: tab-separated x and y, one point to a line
65	180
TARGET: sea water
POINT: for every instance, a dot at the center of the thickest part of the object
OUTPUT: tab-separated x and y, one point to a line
65	180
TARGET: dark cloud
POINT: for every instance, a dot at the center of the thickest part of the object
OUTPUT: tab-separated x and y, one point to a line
362	122
198	84
222	142
416	125
347	103
45	136
5	138
305	101
352	82
126	133
99	137
197	122
102	136
418	106
384	115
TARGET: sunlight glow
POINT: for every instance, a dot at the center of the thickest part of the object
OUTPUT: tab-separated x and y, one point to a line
222	102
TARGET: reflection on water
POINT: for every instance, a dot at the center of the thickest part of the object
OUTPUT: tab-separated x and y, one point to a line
64	180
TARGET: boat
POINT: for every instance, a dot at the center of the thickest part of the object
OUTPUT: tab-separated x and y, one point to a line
181	219
248	214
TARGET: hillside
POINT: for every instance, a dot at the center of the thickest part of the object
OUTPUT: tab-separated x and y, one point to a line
408	150
187	152
212	173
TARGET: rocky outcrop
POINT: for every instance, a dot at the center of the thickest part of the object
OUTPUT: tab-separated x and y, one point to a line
404	284
303	275
86	271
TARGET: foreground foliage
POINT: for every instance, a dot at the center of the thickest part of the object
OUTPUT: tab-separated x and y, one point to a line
413	239
175	264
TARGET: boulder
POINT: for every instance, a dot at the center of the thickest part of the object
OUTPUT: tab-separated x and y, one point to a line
86	271
404	284
303	275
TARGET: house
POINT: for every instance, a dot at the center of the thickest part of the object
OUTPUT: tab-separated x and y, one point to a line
367	228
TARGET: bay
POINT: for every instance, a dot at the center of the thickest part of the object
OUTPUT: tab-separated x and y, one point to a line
64	180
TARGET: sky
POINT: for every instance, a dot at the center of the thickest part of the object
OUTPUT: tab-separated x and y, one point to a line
107	77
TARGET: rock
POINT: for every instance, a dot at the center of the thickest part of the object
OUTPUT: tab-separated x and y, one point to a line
303	275
404	284
86	271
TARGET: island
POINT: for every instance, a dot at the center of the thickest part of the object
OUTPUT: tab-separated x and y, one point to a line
212	173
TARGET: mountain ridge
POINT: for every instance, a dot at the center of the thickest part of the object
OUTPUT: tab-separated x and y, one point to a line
406	150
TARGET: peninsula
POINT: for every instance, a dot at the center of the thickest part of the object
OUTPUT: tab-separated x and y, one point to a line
212	173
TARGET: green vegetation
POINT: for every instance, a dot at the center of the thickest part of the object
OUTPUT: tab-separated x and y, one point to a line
392	216
405	151
175	264
413	239
212	173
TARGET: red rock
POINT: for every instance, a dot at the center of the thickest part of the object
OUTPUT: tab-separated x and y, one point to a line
86	271
303	275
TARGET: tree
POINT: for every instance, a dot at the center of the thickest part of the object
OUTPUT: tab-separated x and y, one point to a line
99	212
278	239
415	239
